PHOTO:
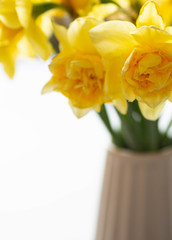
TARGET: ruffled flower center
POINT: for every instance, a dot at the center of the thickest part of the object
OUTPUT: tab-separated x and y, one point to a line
148	73
80	78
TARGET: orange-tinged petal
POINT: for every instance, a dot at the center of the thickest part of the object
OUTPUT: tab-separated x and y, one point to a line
170	97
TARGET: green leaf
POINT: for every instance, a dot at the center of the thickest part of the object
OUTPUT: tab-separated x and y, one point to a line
41	8
110	1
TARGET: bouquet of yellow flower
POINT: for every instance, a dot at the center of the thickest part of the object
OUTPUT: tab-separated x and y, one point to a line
117	52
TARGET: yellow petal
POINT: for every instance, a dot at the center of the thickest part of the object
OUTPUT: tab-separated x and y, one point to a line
149	16
23	9
113	86
81	112
101	11
7	58
151	113
121	105
127	89
50	86
123	3
25	48
78	35
61	34
151	36
15	13
78	4
9	19
170	97
169	29
155	99
45	22
113	38
38	41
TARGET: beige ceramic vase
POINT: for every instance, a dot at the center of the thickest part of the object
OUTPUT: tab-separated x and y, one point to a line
136	202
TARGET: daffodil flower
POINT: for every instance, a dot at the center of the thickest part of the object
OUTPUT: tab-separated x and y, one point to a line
19	29
8	48
78	71
138	59
15	13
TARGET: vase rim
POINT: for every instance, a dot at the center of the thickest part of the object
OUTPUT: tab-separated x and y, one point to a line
127	153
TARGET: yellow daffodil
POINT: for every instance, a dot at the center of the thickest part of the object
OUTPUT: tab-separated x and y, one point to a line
138	59
15	13
8	48
17	23
78	71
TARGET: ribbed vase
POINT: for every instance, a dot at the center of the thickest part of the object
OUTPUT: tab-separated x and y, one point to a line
136	202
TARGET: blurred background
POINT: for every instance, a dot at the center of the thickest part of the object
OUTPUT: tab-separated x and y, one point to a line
51	163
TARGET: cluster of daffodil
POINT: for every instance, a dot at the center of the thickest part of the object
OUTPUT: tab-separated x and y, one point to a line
115	61
20	34
117	52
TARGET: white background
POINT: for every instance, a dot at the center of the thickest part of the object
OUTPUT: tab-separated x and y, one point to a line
51	163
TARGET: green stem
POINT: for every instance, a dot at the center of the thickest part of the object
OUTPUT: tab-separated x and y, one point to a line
130	128
114	134
139	133
150	132
151	135
165	135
